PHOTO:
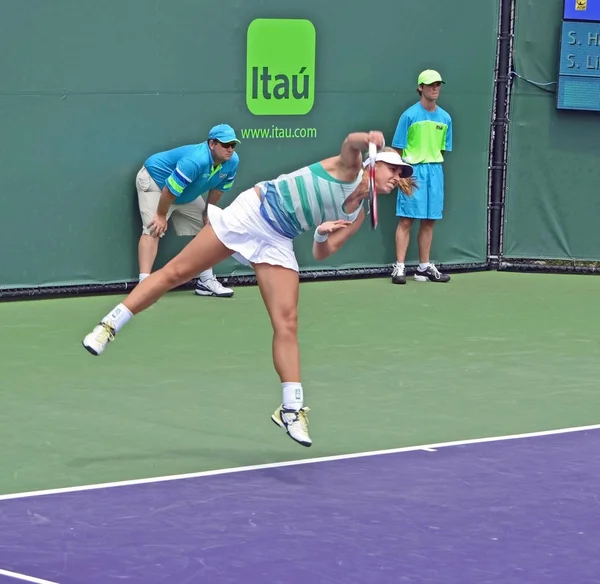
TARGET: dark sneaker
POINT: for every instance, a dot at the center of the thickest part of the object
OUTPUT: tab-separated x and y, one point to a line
398	274
431	274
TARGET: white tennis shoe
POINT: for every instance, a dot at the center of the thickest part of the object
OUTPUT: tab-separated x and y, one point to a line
96	341
295	424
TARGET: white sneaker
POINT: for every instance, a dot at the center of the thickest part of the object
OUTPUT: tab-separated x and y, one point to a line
295	424
97	340
212	287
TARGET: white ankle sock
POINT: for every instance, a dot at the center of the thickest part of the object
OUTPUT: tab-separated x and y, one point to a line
206	275
142	277
423	267
293	396
119	316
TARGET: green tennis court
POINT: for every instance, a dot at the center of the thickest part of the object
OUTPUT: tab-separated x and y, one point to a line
190	386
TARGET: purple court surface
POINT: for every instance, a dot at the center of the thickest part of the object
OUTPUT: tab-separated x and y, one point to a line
521	510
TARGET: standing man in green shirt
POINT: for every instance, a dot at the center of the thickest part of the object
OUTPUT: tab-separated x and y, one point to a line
423	133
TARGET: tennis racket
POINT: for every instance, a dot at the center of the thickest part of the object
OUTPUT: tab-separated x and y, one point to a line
372	191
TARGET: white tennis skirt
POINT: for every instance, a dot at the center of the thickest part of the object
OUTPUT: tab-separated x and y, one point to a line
241	228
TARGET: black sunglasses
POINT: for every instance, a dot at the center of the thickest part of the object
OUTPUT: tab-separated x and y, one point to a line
231	145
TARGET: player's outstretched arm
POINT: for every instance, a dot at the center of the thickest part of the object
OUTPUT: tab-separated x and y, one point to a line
357	143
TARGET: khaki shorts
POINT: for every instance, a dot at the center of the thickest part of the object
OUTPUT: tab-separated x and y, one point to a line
187	218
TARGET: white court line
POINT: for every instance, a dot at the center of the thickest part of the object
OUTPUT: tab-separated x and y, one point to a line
24	578
222	471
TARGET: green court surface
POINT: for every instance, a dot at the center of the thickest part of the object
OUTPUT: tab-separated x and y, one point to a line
189	386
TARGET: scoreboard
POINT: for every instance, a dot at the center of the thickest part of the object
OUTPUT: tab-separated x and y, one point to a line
579	66
582	10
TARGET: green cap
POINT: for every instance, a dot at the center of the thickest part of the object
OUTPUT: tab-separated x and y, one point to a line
428	77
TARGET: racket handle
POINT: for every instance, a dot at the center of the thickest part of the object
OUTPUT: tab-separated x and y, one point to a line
372	151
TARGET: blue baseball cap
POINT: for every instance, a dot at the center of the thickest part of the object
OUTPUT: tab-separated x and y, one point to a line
223	133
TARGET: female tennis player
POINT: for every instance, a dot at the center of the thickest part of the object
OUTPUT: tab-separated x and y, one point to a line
258	229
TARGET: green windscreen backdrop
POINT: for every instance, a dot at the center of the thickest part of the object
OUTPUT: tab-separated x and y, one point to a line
552	202
90	89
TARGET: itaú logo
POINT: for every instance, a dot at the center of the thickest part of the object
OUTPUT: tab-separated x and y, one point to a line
280	67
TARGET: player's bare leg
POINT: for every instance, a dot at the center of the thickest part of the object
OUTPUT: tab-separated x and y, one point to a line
203	252
279	288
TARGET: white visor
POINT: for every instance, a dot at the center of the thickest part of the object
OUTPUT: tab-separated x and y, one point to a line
394	159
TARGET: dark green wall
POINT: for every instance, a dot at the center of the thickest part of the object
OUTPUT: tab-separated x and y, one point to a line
88	90
552	203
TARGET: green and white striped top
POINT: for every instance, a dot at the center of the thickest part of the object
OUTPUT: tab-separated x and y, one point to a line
302	200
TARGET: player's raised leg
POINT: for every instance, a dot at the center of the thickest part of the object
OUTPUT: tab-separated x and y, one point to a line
202	253
279	288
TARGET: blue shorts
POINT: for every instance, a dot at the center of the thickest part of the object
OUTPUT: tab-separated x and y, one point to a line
427	202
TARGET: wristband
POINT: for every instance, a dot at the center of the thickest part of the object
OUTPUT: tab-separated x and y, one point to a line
320	238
